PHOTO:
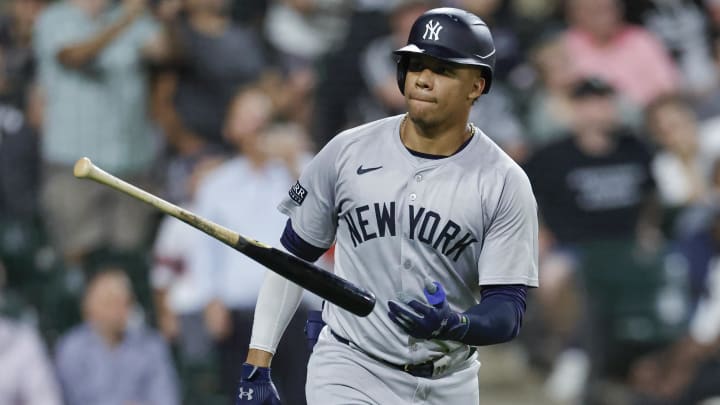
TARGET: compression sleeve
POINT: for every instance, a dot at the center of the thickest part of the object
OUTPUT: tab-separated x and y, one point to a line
498	316
277	302
297	246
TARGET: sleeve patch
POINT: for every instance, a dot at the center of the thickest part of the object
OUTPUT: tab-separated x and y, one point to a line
298	193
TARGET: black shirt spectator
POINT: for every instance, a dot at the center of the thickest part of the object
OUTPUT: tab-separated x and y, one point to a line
213	67
595	183
19	172
584	197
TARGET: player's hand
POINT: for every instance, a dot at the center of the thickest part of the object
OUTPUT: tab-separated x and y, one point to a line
434	321
256	387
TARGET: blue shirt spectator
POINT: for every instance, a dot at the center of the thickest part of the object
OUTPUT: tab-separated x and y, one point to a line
108	360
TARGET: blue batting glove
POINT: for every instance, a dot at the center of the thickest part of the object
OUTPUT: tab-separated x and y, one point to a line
423	321
256	387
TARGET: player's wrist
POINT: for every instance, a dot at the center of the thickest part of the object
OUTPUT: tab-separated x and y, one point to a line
259	358
458	329
250	372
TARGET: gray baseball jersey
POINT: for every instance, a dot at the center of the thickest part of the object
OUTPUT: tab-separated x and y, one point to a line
466	220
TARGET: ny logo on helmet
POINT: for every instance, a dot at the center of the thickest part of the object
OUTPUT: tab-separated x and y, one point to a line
432	30
248	394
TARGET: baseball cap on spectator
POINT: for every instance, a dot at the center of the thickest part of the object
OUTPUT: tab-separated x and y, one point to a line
591	86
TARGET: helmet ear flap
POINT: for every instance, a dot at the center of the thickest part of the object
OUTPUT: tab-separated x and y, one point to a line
402	66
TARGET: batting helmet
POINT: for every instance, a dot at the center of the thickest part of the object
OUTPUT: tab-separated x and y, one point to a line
452	35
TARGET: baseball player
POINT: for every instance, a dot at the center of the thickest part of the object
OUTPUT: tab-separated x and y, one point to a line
427	213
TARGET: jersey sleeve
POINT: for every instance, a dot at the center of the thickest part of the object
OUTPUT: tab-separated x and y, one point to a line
510	250
310	202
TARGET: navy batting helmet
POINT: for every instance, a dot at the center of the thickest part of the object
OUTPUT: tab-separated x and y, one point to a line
452	35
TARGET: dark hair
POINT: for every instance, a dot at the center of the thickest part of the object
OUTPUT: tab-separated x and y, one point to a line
591	86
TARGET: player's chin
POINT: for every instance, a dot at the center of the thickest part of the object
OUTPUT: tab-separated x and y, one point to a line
419	109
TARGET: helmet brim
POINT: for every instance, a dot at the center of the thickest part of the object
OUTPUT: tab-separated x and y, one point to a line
442	53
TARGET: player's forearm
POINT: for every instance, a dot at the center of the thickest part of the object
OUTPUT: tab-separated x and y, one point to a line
77	55
276	304
497	319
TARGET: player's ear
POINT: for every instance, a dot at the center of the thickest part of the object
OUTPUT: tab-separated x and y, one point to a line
478	85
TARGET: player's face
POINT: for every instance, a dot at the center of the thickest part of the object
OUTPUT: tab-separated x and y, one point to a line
437	91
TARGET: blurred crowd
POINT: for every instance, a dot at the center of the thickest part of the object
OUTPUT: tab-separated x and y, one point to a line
612	108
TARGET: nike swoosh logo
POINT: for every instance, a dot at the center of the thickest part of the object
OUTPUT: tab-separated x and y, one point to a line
360	169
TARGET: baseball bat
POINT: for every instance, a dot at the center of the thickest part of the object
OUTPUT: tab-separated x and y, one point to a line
323	283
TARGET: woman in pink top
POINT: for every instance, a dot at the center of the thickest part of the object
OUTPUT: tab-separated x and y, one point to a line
602	44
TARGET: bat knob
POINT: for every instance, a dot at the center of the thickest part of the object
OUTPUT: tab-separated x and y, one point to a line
434	293
82	167
430	286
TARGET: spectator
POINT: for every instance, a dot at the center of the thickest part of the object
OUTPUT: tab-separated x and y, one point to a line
177	301
19	152
530	17
20	230
592	186
549	110
550	106
338	87
303	33
682	27
19	169
18	61
213	57
686	372
28	377
304	30
629	57
250	12
91	60
683	165
707	104
240	194
167	12
110	359
497	113
27	373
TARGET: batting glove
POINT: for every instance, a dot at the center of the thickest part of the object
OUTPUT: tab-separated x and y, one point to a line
434	321
256	387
